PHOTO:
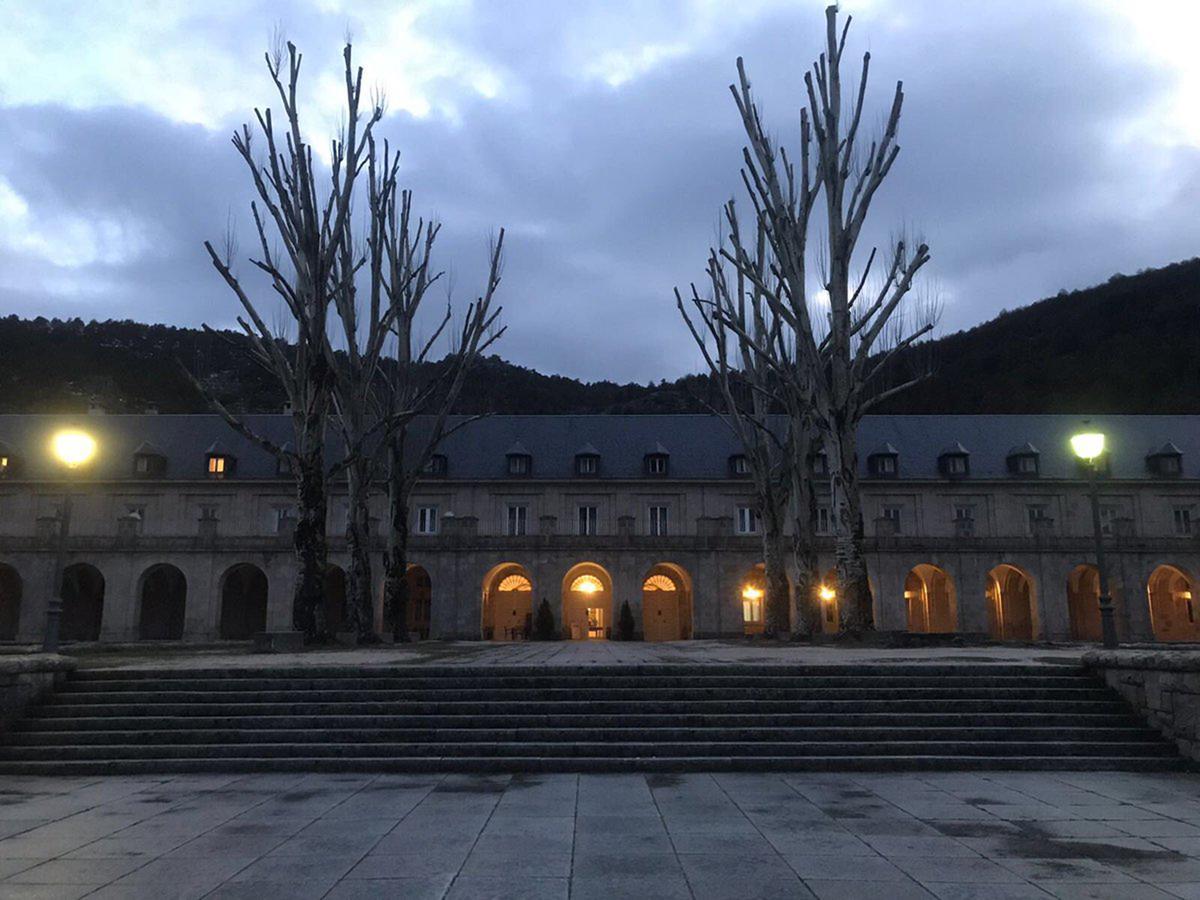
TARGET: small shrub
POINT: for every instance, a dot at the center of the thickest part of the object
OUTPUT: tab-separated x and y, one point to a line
543	626
625	623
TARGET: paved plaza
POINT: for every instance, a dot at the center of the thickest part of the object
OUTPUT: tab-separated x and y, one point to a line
888	837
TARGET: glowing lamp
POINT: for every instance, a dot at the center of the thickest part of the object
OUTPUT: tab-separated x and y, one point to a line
74	448
826	593
1088	445
750	592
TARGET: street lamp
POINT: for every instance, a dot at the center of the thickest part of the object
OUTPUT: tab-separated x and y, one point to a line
72	448
1089	447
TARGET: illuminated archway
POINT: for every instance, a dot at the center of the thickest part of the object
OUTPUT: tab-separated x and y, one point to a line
164	604
507	603
83	603
335	599
10	602
243	602
1173	613
1083	603
1012	604
931	600
667	604
587	602
752	590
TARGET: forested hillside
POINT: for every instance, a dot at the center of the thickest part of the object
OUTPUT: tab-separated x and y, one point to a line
1129	345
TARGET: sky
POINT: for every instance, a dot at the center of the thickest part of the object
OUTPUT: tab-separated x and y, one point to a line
1045	144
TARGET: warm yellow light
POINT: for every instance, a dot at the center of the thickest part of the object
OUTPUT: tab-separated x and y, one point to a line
74	448
587	584
826	593
751	593
1088	446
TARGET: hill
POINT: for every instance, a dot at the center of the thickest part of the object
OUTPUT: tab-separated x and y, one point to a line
1130	345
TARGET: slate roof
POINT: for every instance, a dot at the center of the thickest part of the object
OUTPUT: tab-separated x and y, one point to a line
700	445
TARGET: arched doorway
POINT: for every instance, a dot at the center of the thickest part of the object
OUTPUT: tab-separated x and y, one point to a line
507	603
753	592
830	609
335	599
587	603
1173	613
931	600
164	601
1012	604
420	601
243	602
1083	604
10	602
666	604
83	603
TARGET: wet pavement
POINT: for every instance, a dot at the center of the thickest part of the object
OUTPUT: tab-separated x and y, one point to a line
994	835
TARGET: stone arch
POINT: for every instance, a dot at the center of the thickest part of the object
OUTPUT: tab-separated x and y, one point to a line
827	593
11	588
587	602
1083	603
243	602
752	590
667	603
931	600
1170	591
83	603
1012	604
335	599
418	614
163	603
507	608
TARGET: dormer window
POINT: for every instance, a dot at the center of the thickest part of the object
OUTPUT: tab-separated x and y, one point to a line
739	465
149	461
818	464
1166	461
520	461
587	461
884	462
657	461
436	466
219	462
955	461
1024	461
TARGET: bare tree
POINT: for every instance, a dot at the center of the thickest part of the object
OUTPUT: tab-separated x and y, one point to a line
413	382
300	235
839	362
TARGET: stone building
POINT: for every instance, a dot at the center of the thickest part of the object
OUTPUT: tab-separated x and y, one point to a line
976	524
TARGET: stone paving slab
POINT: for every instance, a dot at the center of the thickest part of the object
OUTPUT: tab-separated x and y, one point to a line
573	653
985	836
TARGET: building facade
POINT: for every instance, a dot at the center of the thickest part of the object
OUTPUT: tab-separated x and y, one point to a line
181	529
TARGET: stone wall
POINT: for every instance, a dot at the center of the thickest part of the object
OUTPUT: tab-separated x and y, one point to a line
1162	685
26	679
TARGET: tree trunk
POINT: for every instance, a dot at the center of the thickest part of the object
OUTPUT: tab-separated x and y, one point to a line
360	610
809	619
778	601
308	600
854	588
395	561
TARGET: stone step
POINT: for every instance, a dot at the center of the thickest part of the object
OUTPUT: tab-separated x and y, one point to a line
1083	762
623	750
1000	734
554	695
58	708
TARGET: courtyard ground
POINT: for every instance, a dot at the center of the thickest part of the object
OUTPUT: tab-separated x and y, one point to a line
888	837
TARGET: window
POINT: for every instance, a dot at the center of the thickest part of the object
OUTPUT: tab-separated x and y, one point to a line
824	520
518	520
435	465
218	466
1027	465
1182	516
752	606
1169	465
136	512
141	465
284	467
587	520
886	465
1108	518
819	463
427	520
587	464
964	512
955	464
658	521
739	466
656	464
884	462
748	520
5	464
1035	517
208	511
518	465
892	514
281	518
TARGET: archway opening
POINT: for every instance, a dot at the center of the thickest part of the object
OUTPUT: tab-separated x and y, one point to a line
420	602
587	603
753	591
667	604
507	603
83	603
335	599
164	603
1173	613
243	602
1012	605
1083	603
10	602
930	597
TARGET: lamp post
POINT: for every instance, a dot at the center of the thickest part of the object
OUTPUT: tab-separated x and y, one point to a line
1089	446
72	449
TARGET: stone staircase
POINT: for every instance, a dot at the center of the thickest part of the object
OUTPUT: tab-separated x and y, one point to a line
583	718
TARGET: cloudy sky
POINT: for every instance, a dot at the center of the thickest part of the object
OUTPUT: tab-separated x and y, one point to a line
1046	144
